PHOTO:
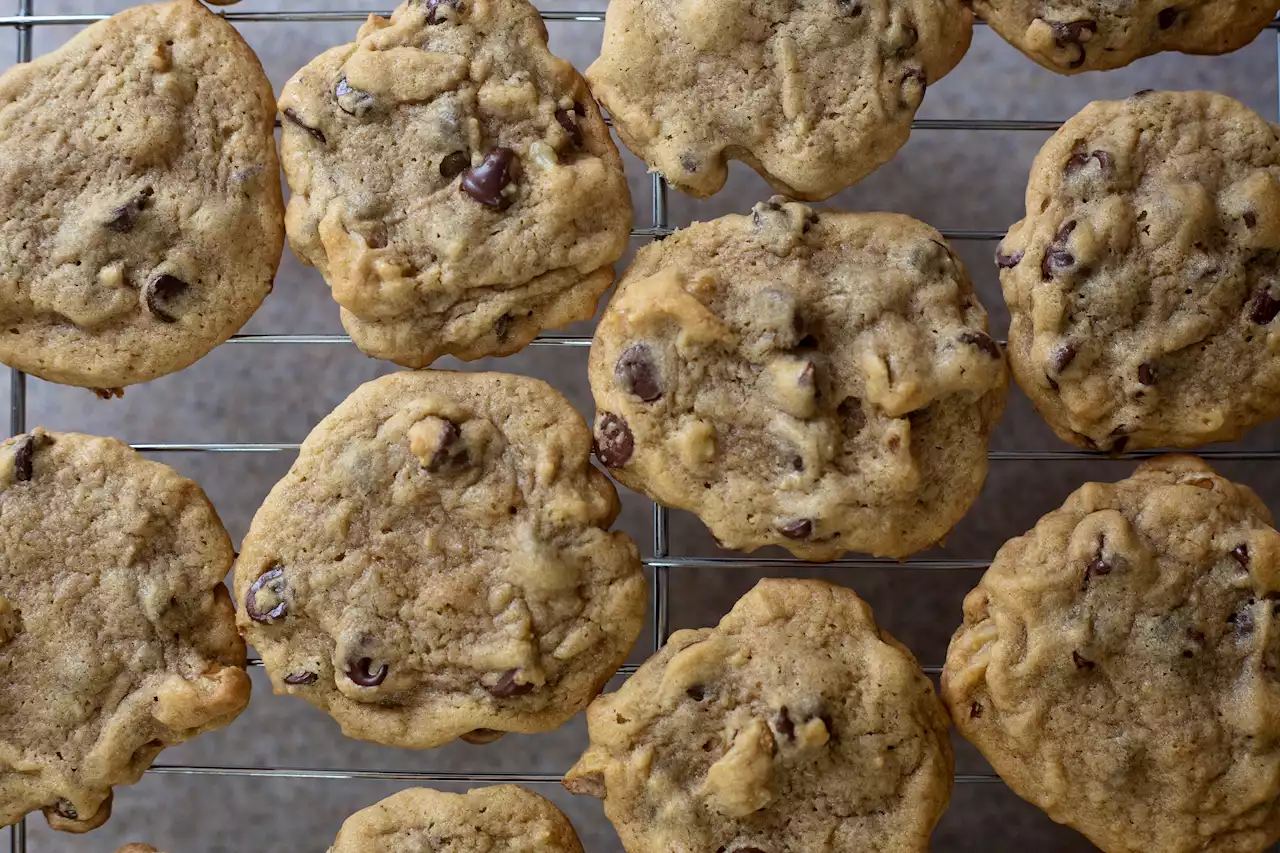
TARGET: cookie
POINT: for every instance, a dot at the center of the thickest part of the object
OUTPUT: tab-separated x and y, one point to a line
437	563
453	182
812	94
499	819
822	381
137	848
796	725
117	637
1141	284
1117	664
1071	37
144	219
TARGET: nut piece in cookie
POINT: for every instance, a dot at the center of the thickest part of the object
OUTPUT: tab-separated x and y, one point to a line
1117	664
823	381
796	724
812	94
117	637
143	215
500	818
453	182
1144	283
437	563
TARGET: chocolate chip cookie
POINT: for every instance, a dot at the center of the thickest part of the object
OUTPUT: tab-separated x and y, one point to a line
143	216
812	94
137	848
117	637
500	819
437	563
1069	36
1142	284
822	381
796	725
453	182
1117	664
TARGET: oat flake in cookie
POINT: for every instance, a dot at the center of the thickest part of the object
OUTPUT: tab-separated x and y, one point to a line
437	563
1070	36
813	379
497	819
1144	283
117	637
1117	664
795	726
143	216
453	182
812	94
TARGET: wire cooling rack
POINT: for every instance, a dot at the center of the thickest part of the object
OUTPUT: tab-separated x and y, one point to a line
660	562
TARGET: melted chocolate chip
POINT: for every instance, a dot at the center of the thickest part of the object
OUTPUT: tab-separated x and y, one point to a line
161	289
454	164
801	528
569	121
1056	257
1167	17
614	441
1241	554
1264	307
1250	219
360	673
352	101
24	456
65	809
783	724
637	372
485	182
1147	373
982	341
433	7
1064	356
507	686
451	454
849	8
274	581
918	75
697	693
975	711
1081	661
1008	262
1080	158
1073	33
1242	620
1099	567
123	217
301	678
315	132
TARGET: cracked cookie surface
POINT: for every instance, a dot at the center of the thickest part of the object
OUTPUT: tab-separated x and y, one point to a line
117	637
497	819
144	219
1142	284
813	379
437	563
1117	663
812	94
453	182
1070	37
795	726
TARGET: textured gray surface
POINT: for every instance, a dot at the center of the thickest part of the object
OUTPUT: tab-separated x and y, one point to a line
949	178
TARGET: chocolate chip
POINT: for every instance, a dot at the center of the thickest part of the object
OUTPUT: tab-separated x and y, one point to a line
1008	262
1081	661
1241	554
849	8
918	75
301	678
637	372
1264	307
316	132
697	693
360	673
1242	621
450	453
1098	567
507	686
1250	219
161	289
1056	257
273	581
1080	158
1064	232
124	216
614	441
1073	33
975	711
569	122
783	724
801	528
1063	357
434	6
352	101
66	809
1147	373
24	456
1118	446
1104	159
982	341
689	162
454	164
748	850
485	182
1167	17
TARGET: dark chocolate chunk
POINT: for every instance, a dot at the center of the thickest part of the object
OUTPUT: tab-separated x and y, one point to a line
485	182
1264	307
614	441
1073	33
569	121
637	372
1167	17
360	672
24	456
454	164
1250	219
1008	262
123	217
451	453
160	290
801	528
1147	373
1098	567
1241	554
315	132
1064	356
301	678
507	686
982	341
975	711
274	581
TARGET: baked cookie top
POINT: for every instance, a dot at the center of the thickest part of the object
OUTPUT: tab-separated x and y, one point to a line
1117	664
138	848
117	637
1141	284
795	725
453	182
437	562
500	819
818	380
812	94
1070	36
139	177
